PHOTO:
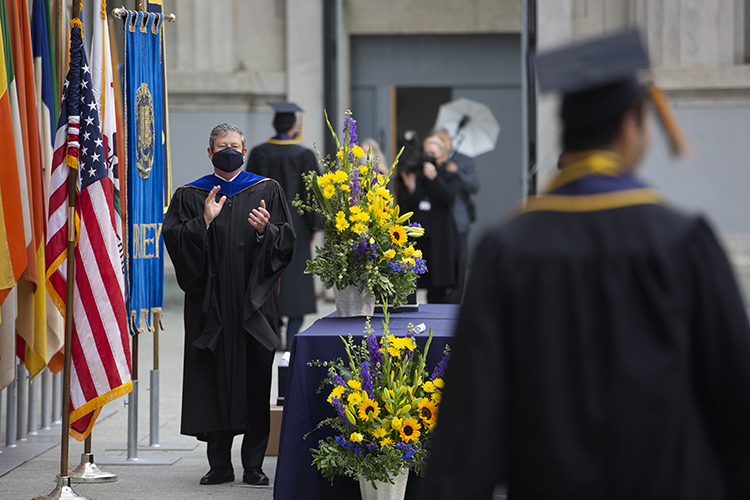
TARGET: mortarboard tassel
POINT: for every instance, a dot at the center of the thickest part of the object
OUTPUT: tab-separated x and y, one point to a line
679	144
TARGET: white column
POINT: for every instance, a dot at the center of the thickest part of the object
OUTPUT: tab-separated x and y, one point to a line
554	27
304	63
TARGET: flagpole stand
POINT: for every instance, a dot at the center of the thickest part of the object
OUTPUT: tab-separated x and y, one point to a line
132	447
87	471
153	435
62	491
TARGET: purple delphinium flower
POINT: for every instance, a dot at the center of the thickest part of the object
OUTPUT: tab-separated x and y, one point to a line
337	379
354	187
439	371
363	250
366	378
340	440
420	265
407	450
350	128
339	407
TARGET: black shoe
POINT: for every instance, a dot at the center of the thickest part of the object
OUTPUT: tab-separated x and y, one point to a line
218	475
255	476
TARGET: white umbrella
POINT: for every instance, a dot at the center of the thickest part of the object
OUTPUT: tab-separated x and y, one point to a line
471	124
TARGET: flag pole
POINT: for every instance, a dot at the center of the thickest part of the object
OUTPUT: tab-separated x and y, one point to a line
72	191
63	488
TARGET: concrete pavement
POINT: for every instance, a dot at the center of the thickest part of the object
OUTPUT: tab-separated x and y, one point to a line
36	477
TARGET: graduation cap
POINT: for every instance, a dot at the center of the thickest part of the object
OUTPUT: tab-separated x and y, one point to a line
285	107
285	115
600	78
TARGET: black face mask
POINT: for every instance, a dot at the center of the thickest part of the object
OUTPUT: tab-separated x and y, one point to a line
228	159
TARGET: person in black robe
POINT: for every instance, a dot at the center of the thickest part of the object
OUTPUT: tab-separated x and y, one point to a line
284	160
228	257
431	193
603	348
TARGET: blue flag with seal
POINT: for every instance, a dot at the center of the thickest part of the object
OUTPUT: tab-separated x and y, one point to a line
157	6
145	167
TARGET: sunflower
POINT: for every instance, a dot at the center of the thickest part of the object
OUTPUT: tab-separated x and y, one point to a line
398	235
428	412
368	410
409	430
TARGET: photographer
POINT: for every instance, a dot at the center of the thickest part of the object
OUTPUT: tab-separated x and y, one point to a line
430	192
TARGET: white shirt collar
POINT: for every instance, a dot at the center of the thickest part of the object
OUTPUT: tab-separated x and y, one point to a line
230	180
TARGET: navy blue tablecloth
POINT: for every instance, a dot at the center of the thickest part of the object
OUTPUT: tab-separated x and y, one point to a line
296	477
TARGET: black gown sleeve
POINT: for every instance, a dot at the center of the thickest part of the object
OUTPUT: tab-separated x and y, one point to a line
470	442
721	354
268	263
186	239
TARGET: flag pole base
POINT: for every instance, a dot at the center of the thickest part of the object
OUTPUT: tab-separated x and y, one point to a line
88	472
63	491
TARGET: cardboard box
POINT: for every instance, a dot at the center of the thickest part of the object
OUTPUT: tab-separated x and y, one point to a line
272	449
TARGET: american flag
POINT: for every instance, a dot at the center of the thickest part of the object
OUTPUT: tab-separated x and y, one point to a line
100	370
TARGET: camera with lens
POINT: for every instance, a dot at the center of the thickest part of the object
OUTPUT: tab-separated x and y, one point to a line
413	157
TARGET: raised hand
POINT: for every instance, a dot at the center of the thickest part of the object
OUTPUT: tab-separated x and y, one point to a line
259	217
211	208
429	171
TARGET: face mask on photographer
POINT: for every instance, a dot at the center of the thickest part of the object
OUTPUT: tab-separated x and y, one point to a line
227	159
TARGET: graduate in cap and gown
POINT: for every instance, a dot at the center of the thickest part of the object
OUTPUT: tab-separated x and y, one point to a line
284	160
230	236
603	350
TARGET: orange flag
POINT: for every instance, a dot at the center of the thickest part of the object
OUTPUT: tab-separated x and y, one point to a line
31	322
12	234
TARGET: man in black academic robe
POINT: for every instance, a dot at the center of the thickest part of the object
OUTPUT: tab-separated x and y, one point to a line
603	349
228	256
284	160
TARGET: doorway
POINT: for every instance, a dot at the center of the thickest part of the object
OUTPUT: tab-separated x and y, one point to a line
416	109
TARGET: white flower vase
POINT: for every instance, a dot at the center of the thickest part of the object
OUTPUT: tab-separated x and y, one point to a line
351	302
385	491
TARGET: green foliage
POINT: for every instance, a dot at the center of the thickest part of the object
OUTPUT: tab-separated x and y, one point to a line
367	240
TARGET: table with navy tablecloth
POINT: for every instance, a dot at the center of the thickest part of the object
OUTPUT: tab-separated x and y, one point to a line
304	407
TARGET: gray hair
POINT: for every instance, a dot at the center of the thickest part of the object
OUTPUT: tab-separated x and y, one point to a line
222	129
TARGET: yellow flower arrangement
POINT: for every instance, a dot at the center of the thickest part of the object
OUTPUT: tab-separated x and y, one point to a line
386	395
362	224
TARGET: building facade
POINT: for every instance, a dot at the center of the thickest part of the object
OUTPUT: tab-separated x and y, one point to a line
392	62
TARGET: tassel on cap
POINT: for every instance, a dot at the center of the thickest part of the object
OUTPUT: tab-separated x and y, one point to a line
679	145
